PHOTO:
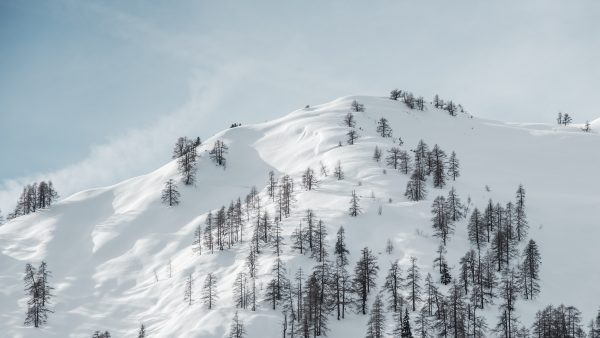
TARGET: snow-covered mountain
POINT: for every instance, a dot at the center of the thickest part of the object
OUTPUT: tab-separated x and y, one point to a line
110	249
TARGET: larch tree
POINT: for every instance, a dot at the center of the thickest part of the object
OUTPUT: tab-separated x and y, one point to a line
438	159
354	209
376	323
170	194
218	152
357	107
341	277
395	94
406	331
39	294
383	128
349	120
365	274
453	166
441	220
413	283
309	179
352	136
338	172
187	293
530	270
393	287
405	162
393	158
237	329
520	222
377	154
197	244
415	188
454	205
209	291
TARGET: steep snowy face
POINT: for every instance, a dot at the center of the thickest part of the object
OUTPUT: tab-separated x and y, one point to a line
119	257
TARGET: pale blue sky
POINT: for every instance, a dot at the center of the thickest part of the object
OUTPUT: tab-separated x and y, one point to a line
92	92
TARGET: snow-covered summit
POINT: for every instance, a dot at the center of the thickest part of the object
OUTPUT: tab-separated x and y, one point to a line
110	249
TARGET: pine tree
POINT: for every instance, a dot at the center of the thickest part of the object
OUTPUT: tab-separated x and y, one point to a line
377	154
365	274
395	94
531	270
209	291
338	172
376	323
237	329
217	154
393	159
187	294
349	120
413	280
170	194
383	128
354	209
453	166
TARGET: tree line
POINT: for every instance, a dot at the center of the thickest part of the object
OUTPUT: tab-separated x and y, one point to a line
34	197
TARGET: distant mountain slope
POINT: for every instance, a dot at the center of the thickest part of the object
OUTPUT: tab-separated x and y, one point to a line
106	247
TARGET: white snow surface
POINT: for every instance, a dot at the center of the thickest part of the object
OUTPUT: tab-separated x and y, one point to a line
103	245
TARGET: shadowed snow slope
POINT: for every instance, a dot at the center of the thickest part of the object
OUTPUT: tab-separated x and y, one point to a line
105	245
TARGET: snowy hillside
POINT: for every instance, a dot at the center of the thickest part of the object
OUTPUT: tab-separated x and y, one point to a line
109	248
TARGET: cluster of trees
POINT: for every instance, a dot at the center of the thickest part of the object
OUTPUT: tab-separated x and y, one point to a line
562	321
564	119
186	154
449	106
35	196
434	163
38	292
209	295
408	98
493	268
185	151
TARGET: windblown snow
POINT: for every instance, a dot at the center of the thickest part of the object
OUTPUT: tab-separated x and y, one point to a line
105	245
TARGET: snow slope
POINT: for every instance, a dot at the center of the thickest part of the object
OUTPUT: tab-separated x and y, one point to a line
104	245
